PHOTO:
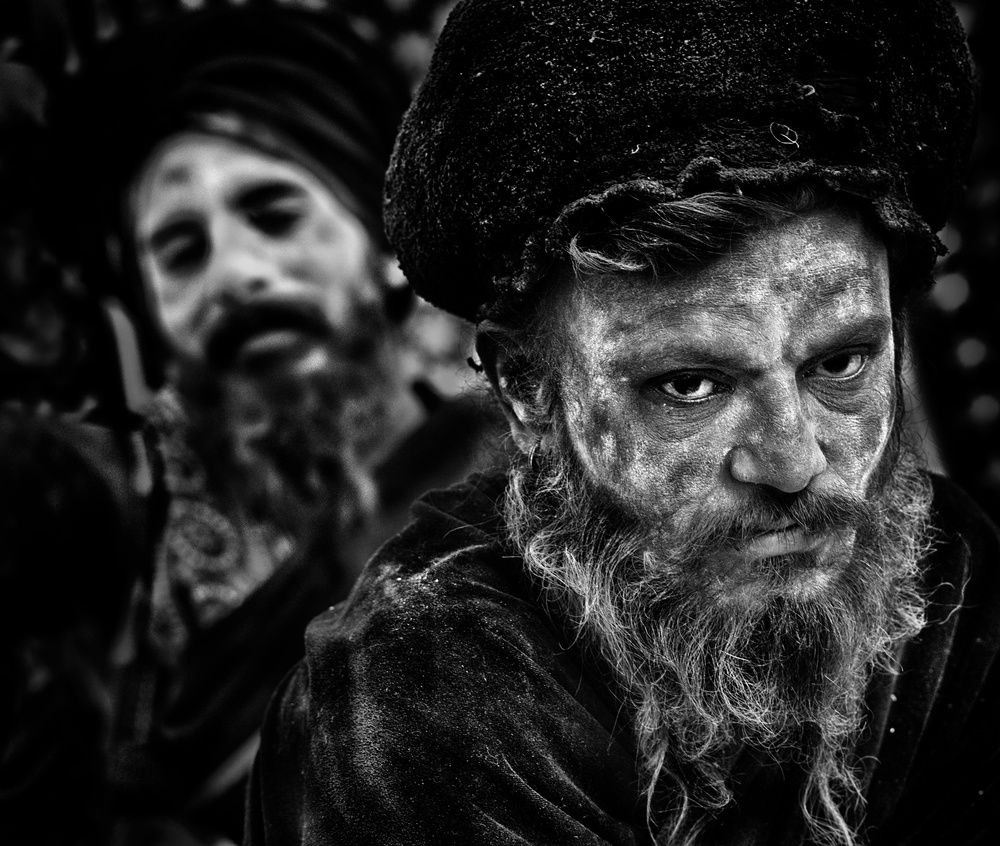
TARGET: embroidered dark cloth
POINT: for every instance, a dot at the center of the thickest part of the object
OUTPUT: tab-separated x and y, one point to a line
538	117
439	704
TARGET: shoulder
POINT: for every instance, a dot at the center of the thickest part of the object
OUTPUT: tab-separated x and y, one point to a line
933	724
966	548
441	697
961	576
442	606
959	516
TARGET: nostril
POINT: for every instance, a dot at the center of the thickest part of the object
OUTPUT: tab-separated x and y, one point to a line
256	285
783	467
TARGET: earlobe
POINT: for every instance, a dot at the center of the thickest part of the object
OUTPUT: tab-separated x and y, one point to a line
528	417
519	419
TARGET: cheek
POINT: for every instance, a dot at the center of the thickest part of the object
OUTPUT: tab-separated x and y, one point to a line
311	254
176	306
858	442
334	243
336	261
667	481
652	476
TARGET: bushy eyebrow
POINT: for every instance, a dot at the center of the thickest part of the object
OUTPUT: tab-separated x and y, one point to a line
837	286
869	328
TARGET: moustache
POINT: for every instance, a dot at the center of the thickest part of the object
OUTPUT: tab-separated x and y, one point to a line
715	530
239	322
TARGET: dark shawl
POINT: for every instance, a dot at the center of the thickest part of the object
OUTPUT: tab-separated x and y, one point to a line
440	704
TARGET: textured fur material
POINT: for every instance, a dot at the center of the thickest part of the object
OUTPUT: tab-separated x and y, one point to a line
441	704
531	106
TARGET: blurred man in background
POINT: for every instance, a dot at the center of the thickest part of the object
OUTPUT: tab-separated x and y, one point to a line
220	177
240	194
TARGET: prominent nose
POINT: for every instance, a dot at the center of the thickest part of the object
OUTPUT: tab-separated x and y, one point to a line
779	446
241	267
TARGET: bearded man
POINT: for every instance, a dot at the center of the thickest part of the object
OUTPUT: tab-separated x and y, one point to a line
230	162
716	599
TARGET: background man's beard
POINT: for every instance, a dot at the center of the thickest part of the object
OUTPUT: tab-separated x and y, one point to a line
286	439
785	675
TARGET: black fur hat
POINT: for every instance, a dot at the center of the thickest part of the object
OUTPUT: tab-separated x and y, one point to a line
538	113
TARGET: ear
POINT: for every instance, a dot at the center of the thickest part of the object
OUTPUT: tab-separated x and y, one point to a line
523	423
524	405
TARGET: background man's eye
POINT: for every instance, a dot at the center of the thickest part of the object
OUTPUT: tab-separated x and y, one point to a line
275	220
182	253
689	387
842	366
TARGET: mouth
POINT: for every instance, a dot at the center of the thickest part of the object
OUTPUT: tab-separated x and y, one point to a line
789	560
264	332
787	540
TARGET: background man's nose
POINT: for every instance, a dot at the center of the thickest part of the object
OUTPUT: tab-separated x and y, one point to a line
240	273
782	451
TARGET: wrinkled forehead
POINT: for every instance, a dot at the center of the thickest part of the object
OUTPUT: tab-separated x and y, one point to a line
228	156
820	266
188	161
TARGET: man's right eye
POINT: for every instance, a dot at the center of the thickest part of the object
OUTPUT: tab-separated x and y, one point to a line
180	248
275	208
689	388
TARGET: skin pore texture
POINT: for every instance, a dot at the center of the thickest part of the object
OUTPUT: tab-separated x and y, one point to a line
770	368
215	219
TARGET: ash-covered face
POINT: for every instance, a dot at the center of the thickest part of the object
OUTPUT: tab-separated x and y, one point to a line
723	397
219	223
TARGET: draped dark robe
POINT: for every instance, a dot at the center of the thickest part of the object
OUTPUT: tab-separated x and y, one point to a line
441	704
185	732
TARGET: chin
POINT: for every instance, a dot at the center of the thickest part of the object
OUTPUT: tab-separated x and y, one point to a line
797	585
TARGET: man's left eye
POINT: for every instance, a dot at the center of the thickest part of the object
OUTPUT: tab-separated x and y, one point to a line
843	365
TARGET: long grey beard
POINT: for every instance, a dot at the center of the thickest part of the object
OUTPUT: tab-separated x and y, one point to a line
704	678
